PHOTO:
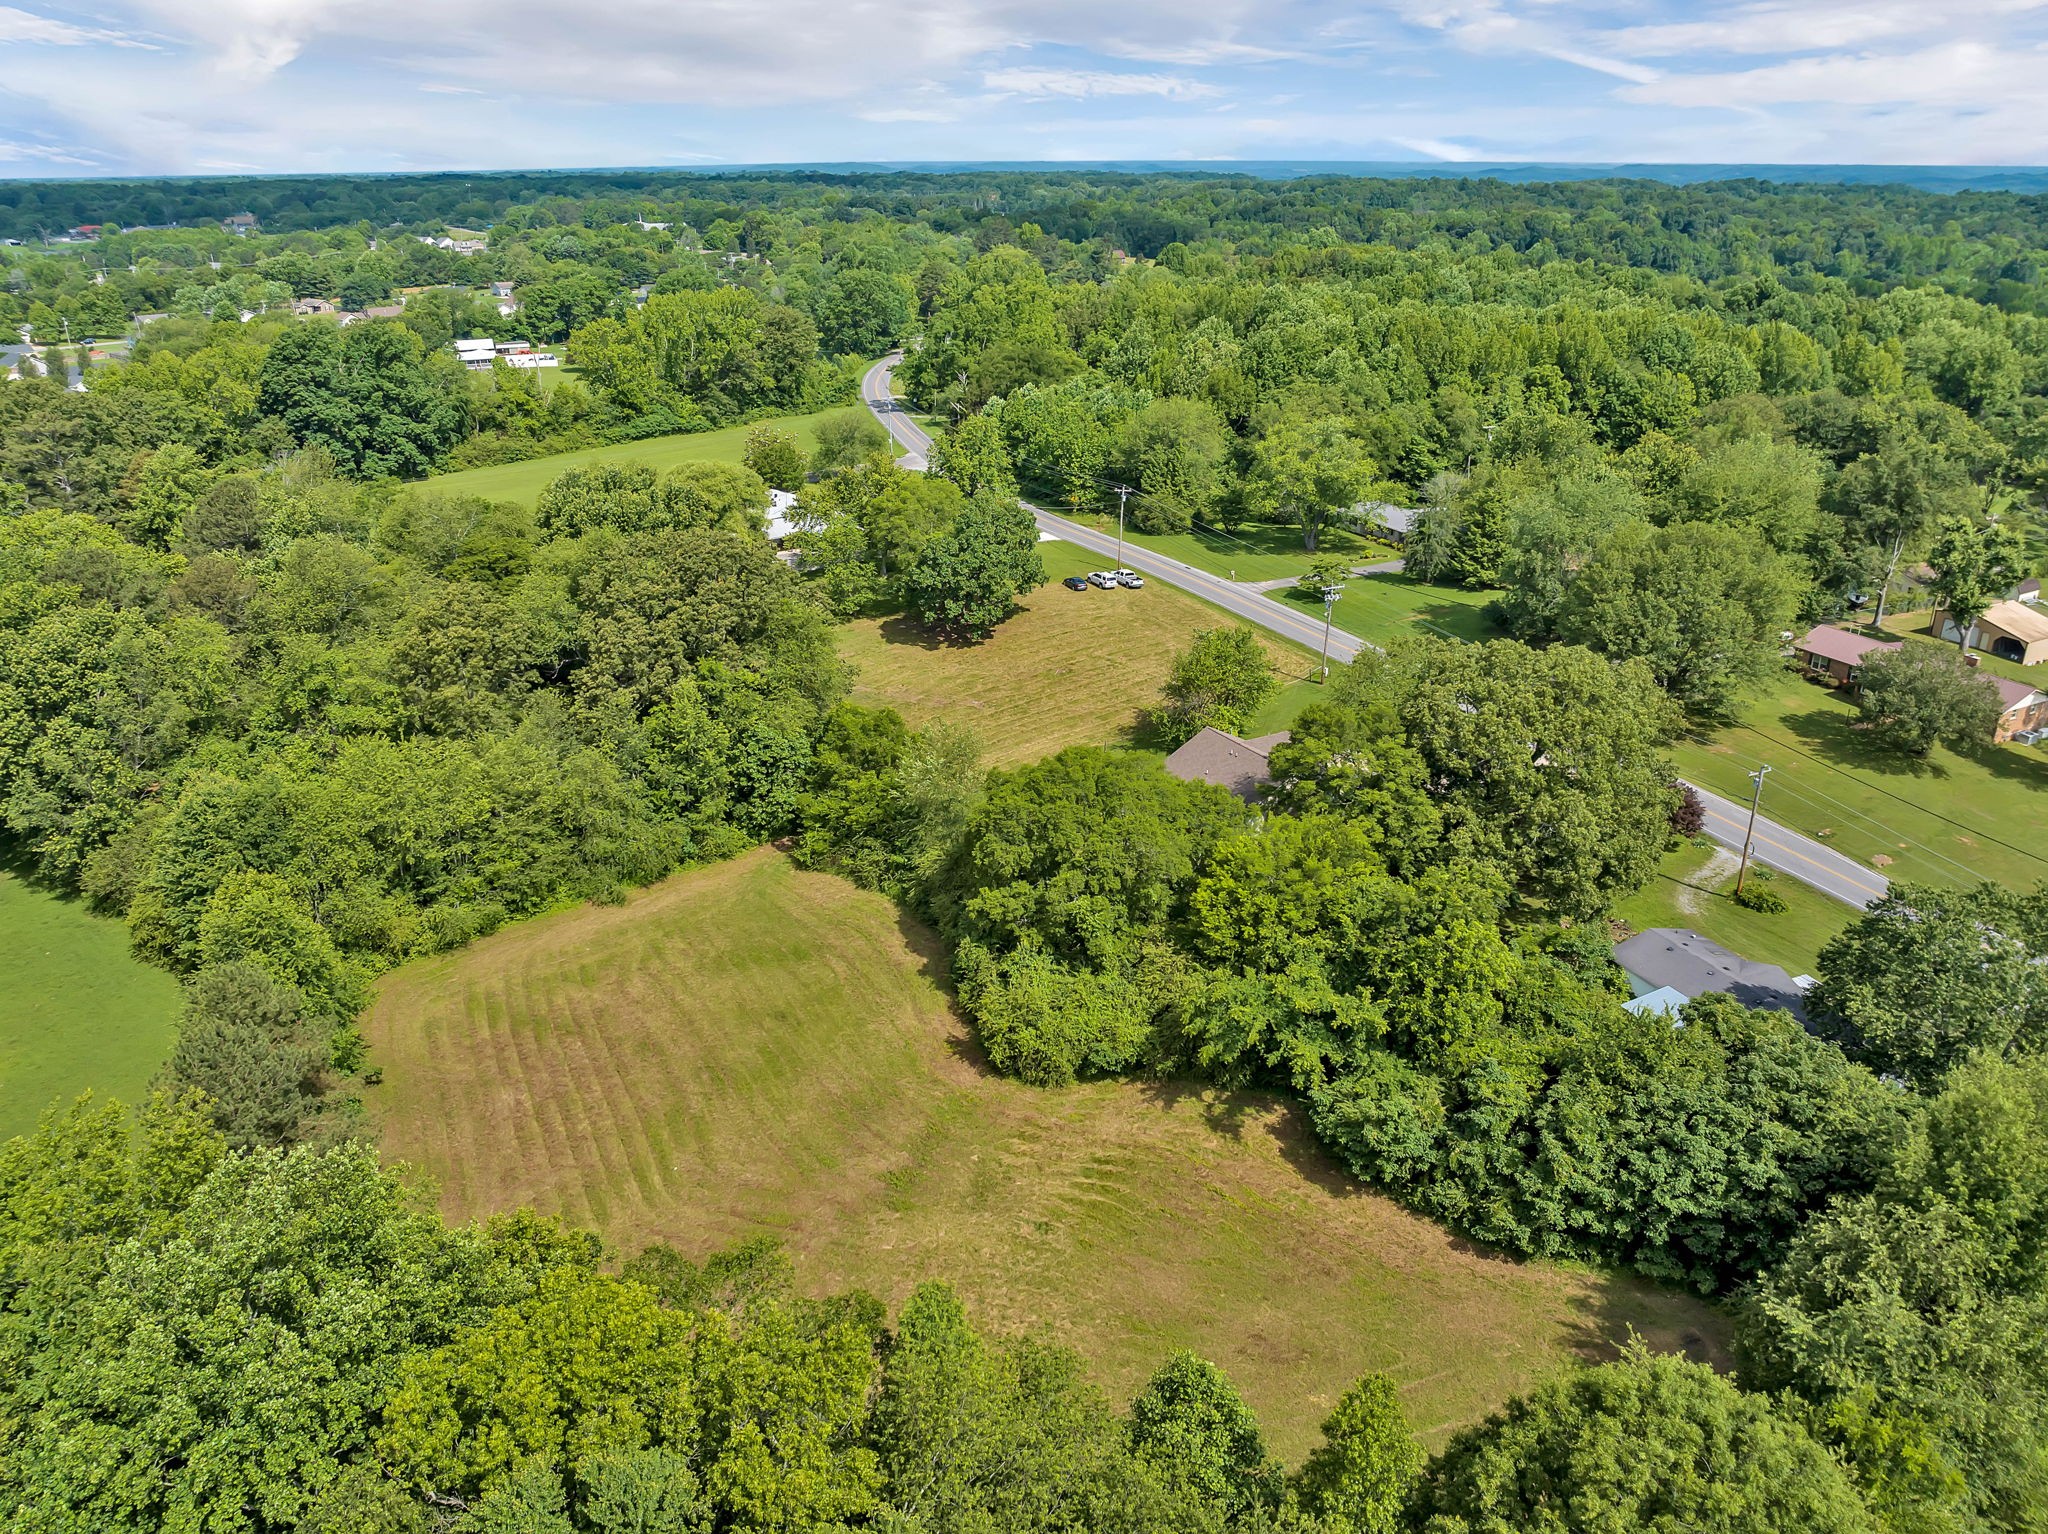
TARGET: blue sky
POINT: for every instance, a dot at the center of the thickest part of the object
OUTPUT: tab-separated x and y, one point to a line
137	86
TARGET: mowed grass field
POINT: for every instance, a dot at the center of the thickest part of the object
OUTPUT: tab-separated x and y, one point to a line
1387	606
1071	668
1259	551
1950	819
1693	889
523	482
749	1048
78	1012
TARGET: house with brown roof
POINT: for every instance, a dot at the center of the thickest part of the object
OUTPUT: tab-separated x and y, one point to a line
2022	706
2015	631
1216	756
1836	656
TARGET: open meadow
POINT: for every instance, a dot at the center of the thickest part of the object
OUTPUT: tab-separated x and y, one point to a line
1948	819
78	1011
749	1049
523	482
1071	668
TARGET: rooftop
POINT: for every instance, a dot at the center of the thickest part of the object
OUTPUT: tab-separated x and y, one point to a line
2011	693
1673	958
1835	644
2024	623
1218	757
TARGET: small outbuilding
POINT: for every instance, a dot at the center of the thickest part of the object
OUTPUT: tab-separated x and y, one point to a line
2014	631
1836	656
1219	757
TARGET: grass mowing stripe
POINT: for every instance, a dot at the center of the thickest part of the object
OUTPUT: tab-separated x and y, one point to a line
785	1046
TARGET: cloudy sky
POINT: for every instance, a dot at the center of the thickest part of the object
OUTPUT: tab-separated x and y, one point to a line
107	86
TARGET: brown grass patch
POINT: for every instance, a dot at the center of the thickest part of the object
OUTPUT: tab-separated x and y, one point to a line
1070	668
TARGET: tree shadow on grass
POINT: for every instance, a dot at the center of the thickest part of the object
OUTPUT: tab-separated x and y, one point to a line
1616	1305
1836	740
902	629
17	860
1456	620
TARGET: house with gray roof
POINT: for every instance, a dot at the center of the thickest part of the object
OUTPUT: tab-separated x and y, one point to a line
1216	756
1675	959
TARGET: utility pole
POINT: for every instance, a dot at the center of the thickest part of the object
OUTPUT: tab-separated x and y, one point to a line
1749	836
1123	495
1330	595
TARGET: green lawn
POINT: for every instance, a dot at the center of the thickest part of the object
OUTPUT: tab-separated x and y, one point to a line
523	482
1692	890
1913	627
1950	819
1260	552
751	1049
1069	668
77	1010
1390	606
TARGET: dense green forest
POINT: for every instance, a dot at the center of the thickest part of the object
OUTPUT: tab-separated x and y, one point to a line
299	716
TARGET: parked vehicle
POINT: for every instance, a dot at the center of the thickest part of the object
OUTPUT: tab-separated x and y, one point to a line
1103	578
1075	583
1130	578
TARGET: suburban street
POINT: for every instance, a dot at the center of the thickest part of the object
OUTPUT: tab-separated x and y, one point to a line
1800	857
1777	847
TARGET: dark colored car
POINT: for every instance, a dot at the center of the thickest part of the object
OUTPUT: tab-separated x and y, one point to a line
1075	583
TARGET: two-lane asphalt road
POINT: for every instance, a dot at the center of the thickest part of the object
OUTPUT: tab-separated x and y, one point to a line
1776	846
880	398
1243	600
1801	857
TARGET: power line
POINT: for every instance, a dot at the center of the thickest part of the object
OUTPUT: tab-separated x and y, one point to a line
1898	798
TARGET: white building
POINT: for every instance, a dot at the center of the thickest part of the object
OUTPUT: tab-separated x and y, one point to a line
479	352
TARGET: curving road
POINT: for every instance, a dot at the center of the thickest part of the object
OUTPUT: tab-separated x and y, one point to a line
1779	847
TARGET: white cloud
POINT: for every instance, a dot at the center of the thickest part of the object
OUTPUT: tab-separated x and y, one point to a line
50	154
1809	26
1966	75
1620	68
18	26
163	85
1080	84
1438	149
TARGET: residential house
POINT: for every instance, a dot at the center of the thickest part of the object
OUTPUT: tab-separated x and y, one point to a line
1381	520
2022	706
781	515
1836	656
240	223
314	306
2014	631
1673	960
1216	756
2028	590
501	290
84	232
